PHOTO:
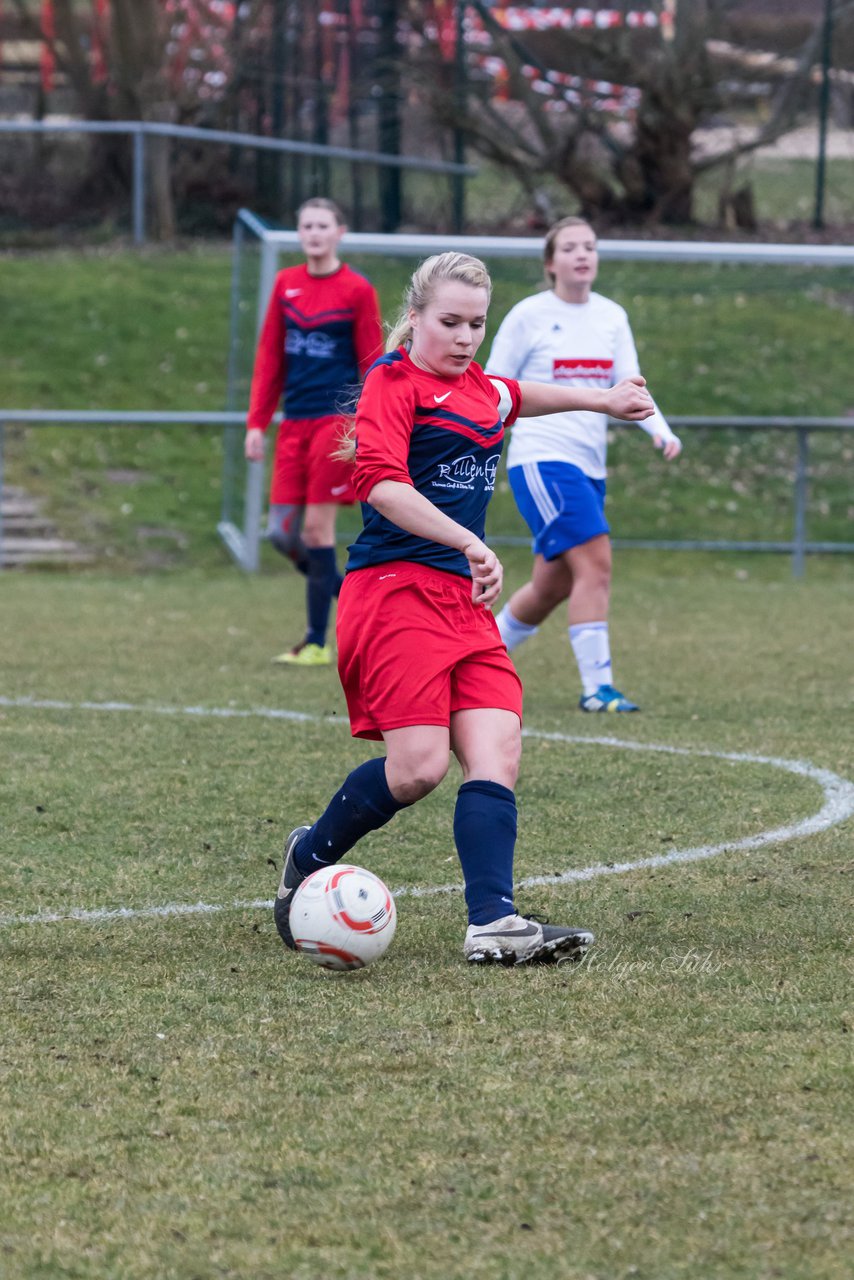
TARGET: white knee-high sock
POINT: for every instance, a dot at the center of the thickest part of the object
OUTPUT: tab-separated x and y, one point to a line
592	648
513	632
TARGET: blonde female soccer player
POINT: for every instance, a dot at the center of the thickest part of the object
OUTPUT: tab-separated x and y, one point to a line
419	655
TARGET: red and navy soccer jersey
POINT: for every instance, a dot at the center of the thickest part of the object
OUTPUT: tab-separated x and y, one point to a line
320	336
443	436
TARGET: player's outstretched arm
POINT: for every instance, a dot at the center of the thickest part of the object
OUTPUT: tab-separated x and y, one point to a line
629	399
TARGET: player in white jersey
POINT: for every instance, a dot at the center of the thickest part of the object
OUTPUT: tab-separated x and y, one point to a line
556	465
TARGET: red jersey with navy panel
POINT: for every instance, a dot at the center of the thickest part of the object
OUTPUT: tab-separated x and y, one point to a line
443	436
320	336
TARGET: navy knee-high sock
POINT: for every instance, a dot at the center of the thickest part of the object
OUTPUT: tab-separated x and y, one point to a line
485	836
363	804
322	586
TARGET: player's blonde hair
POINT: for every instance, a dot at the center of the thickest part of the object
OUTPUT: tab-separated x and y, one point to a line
460	268
551	241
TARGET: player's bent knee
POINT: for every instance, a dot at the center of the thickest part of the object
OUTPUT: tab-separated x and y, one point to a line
500	763
504	767
411	791
416	779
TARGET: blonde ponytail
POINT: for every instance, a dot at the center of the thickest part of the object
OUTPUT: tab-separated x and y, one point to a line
345	450
401	331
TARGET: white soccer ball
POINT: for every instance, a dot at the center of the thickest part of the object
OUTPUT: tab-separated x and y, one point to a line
342	917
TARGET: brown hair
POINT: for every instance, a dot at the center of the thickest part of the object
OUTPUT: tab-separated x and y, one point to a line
551	239
322	202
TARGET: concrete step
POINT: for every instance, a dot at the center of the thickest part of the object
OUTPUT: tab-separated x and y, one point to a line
29	537
19	506
18	551
26	525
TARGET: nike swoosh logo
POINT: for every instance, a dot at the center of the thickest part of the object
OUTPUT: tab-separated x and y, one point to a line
512	933
440	399
340	488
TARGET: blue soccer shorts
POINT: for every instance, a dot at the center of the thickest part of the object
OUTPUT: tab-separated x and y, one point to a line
561	505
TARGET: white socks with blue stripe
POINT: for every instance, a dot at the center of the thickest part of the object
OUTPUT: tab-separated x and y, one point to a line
592	648
590	643
513	632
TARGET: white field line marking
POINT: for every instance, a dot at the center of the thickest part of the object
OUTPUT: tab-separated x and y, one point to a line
838	806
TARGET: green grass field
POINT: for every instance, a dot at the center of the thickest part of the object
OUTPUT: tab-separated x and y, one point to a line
184	1099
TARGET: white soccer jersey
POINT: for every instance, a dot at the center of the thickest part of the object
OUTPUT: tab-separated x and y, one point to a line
587	344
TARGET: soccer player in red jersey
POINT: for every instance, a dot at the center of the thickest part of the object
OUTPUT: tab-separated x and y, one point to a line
321	333
419	654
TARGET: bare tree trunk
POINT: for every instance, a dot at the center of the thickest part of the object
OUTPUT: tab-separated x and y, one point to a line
138	68
75	62
137	59
584	166
662	164
678	86
159	156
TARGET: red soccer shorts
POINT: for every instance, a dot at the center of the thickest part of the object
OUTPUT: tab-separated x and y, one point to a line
304	470
413	649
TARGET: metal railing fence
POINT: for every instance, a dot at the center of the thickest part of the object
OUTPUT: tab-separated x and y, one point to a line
236	540
417	244
139	130
243	543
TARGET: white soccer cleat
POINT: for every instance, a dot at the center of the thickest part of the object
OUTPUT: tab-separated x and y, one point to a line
519	939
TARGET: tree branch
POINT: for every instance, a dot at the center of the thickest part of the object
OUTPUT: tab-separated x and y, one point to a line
785	106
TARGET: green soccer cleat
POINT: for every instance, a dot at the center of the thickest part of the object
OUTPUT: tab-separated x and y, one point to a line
305	655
